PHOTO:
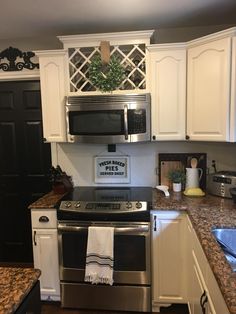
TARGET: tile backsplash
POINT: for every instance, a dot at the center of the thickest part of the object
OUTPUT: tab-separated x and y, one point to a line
78	159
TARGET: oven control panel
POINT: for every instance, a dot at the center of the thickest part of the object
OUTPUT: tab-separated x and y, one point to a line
103	207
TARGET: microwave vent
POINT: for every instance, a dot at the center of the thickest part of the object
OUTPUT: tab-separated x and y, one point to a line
74	100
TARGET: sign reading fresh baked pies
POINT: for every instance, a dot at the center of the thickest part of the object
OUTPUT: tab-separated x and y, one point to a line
112	169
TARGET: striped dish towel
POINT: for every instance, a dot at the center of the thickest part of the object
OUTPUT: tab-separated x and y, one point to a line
99	258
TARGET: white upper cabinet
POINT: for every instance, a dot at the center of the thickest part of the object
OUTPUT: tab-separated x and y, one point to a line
53	82
208	77
210	102
168	90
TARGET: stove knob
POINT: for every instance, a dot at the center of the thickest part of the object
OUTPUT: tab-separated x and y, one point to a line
77	205
68	204
138	205
128	205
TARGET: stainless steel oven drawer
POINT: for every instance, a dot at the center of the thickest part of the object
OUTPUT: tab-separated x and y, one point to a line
103	297
120	277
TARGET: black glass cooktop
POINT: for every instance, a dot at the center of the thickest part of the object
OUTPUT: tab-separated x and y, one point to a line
109	194
106	203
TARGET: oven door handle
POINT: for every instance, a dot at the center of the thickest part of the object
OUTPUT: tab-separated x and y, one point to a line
123	230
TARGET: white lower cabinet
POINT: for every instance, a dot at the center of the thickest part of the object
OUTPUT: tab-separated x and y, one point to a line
168	256
201	302
204	295
45	252
180	270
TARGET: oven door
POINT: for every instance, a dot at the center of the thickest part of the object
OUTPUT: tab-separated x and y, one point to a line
131	251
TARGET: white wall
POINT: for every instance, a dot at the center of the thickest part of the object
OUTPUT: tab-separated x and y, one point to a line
78	159
31	44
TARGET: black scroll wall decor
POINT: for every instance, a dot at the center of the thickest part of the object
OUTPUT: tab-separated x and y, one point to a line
12	60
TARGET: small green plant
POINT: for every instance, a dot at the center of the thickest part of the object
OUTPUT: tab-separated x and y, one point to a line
176	176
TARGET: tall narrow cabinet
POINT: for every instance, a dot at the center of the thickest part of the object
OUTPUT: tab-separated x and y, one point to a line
168	90
53	92
45	251
211	84
168	259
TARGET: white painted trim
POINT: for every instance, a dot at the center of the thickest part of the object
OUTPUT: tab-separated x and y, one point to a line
230	32
118	38
169	46
50	53
117	92
54	154
19	75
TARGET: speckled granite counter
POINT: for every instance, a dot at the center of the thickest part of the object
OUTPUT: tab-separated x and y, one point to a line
49	200
205	213
15	284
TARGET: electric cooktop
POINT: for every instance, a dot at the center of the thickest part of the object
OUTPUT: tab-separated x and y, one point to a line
106	203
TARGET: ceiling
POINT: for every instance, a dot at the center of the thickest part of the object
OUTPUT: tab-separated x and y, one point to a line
34	18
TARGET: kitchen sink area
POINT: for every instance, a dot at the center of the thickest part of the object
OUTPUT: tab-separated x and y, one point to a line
226	238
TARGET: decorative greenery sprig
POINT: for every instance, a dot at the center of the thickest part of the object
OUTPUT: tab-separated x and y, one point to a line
106	77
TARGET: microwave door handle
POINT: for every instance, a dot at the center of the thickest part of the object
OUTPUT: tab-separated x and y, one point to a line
126	121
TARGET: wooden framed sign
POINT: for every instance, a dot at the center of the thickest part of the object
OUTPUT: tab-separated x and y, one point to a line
115	169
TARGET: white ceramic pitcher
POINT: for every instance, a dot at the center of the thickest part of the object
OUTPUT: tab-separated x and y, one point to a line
193	177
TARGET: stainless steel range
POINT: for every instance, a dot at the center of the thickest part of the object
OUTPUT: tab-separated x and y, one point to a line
128	211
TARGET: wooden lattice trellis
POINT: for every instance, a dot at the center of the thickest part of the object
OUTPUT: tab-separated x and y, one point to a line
132	58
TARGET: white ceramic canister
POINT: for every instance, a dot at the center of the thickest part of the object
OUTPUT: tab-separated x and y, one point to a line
193	177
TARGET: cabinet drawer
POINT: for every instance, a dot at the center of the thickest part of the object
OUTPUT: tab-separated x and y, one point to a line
45	218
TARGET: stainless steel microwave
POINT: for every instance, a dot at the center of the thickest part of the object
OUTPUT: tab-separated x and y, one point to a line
108	119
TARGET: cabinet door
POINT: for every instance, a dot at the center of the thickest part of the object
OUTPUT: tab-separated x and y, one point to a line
52	80
197	288
233	94
190	269
216	302
168	89
45	251
210	308
168	253
201	278
208	96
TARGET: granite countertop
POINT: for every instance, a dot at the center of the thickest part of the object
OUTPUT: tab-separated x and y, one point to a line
15	284
50	200
205	213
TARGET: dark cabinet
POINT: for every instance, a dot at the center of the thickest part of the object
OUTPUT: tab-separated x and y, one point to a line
32	302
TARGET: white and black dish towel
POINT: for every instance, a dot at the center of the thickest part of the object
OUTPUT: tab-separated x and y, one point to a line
99	258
